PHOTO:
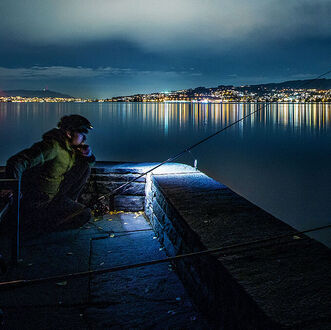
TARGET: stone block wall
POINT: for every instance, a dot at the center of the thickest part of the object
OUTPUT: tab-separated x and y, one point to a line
104	180
212	288
172	232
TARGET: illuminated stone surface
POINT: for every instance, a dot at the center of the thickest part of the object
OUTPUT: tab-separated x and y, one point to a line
146	297
283	283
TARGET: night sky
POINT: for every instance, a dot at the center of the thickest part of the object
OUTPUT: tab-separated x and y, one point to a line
105	48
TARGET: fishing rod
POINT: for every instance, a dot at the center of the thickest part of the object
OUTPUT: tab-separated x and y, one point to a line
170	159
24	283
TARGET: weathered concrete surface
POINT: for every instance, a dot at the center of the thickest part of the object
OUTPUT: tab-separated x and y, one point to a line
284	283
49	305
144	298
150	297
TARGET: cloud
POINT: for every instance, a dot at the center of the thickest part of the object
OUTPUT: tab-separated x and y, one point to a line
164	25
65	72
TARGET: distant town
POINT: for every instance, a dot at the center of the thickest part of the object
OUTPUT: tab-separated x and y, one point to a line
318	91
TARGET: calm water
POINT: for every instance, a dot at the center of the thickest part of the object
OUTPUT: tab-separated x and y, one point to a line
280	158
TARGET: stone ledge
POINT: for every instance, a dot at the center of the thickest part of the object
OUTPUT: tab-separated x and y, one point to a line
283	284
129	203
107	176
139	168
113	177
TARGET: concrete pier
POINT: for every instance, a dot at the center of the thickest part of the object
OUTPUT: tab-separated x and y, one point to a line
279	284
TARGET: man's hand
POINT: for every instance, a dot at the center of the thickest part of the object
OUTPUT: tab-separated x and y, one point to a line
85	150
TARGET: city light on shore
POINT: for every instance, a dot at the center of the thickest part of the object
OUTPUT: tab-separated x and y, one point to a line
211	95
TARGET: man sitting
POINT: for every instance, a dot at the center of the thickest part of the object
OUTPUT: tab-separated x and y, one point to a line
53	173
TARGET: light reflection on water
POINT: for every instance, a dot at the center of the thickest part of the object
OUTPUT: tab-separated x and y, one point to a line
279	158
194	115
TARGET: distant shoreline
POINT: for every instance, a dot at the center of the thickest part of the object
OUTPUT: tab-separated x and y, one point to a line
310	90
174	102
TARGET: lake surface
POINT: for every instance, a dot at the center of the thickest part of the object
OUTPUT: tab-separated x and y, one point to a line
279	158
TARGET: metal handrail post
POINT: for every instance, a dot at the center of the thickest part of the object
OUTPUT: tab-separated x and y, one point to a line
15	186
15	254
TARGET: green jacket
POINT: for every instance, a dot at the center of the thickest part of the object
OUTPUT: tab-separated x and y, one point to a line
45	163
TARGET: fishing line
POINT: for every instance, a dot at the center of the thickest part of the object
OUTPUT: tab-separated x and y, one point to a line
204	140
20	283
170	159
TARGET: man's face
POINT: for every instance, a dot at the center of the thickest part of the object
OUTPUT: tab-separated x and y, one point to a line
76	138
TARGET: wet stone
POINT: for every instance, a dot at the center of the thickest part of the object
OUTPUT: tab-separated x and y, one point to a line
145	297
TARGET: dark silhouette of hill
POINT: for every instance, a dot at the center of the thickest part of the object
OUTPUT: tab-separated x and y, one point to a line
307	84
29	93
260	89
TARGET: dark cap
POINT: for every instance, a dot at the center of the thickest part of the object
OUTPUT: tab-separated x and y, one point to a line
75	123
